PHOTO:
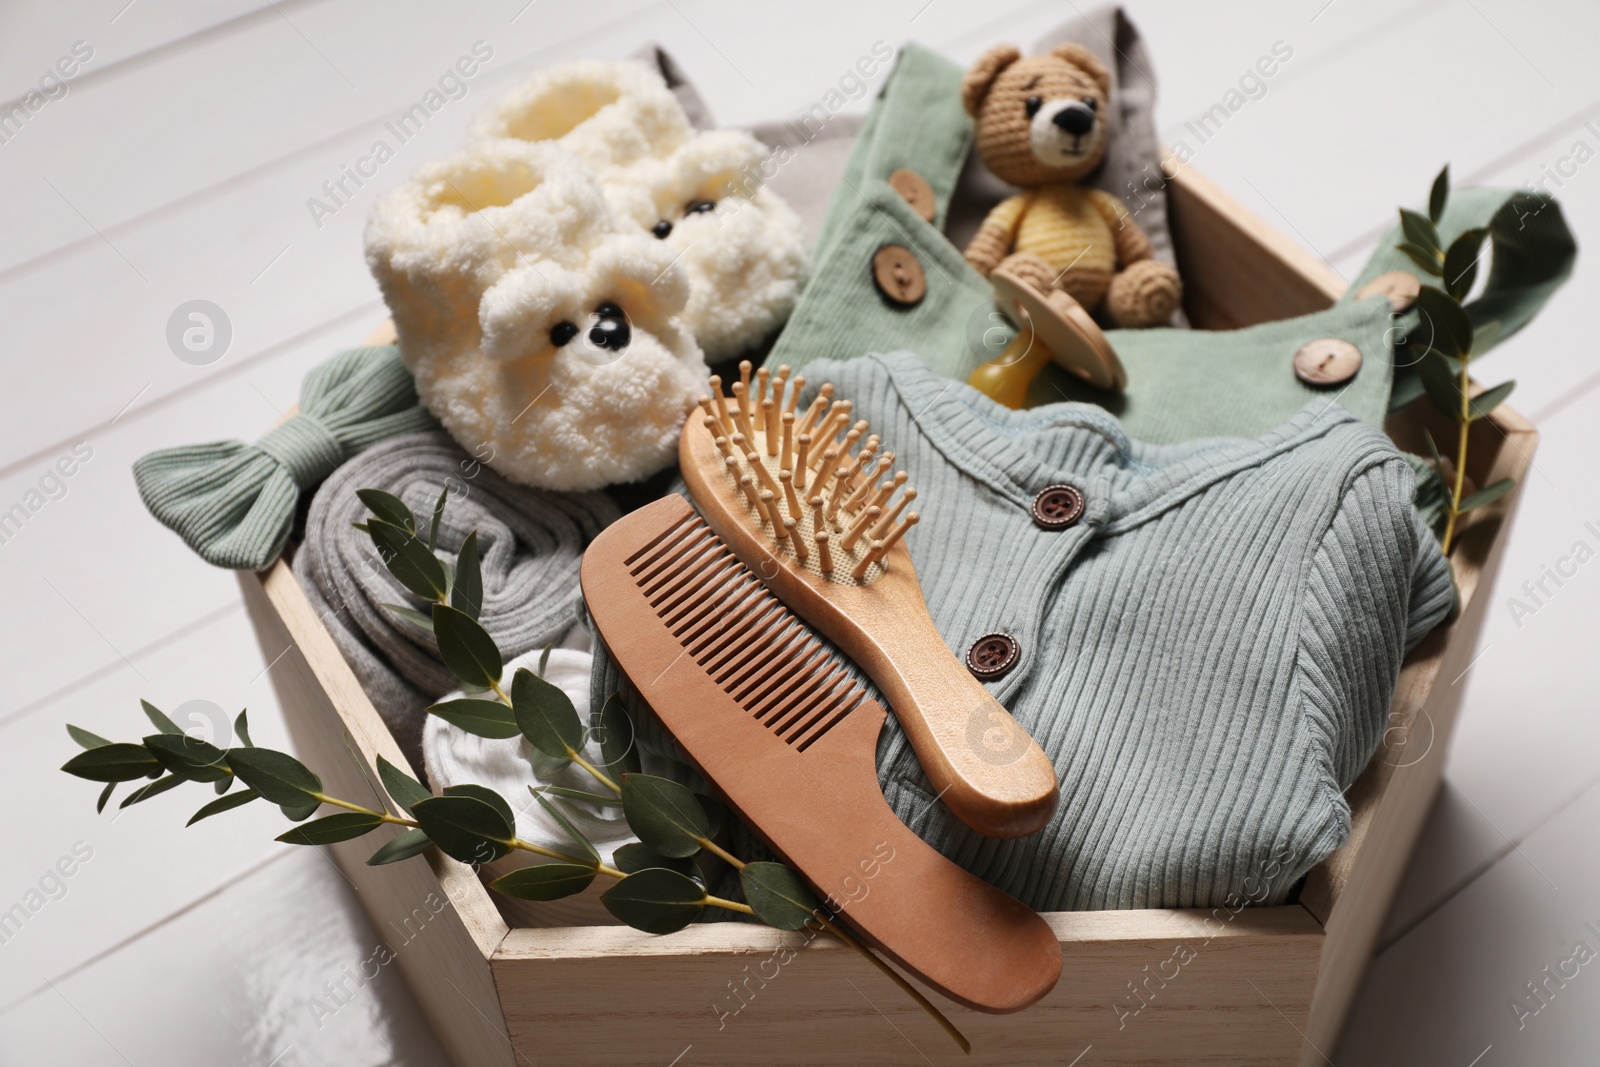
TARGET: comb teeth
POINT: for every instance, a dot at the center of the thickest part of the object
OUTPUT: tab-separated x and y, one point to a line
742	635
783	468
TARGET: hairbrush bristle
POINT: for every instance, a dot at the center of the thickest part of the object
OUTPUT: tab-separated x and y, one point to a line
817	483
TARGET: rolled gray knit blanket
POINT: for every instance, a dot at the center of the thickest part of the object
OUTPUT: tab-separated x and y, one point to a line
530	542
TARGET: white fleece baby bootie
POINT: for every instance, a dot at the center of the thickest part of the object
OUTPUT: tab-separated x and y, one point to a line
697	191
541	328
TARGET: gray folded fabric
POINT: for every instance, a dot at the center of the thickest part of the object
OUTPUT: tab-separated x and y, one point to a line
530	543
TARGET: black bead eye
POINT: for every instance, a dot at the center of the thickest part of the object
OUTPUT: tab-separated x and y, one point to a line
562	332
610	330
662	229
1091	103
700	207
1032	105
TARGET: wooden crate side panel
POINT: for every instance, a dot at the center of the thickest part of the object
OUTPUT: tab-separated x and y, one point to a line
1137	986
1237	270
1351	893
422	908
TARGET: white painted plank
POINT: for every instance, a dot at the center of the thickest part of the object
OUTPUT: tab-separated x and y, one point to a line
34	35
1448	992
279	968
145	864
101	578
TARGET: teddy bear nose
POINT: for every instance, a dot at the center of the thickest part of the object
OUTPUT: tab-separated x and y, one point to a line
1075	119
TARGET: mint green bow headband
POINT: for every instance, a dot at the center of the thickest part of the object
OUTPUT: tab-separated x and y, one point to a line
234	503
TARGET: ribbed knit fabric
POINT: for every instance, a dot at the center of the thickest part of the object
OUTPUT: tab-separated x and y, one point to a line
1208	656
234	503
530	542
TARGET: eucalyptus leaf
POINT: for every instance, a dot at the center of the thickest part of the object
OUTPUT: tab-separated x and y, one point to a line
117	762
1441	383
189	758
222	804
279	777
545	881
489	797
389	508
565	823
1487	495
545	715
635	857
619	749
438	514
466	589
409	560
411	843
1433	449
105	796
1439	194
403	789
1485	402
84	738
1461	262
223	785
544	660
484	718
332	828
466	647
151	789
464	828
241	728
411	615
666	816
655	900
777	895
576	794
1423	258
1420	231
1442	324
159	718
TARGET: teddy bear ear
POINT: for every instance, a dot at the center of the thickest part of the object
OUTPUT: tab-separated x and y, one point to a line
975	85
1087	61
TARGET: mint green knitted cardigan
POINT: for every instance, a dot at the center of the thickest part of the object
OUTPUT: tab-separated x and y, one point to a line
1208	656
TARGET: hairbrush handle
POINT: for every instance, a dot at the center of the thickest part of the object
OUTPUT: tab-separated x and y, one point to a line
985	767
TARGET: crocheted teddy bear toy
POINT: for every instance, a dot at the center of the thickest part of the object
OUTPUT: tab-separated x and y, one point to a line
1042	124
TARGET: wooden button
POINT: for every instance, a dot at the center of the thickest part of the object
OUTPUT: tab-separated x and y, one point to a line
915	190
993	655
1057	507
1400	286
898	275
1327	362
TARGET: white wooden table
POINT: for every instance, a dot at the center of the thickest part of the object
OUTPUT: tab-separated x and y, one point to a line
177	164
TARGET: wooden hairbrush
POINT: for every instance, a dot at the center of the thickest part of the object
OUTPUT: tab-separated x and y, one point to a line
766	713
798	507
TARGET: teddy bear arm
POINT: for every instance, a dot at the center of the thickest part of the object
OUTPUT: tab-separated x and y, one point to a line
1131	242
994	238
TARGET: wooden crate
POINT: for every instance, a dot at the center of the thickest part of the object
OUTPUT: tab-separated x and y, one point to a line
1263	985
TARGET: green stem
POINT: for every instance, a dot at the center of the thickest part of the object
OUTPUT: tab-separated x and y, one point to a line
592	769
382	815
1464	423
894	976
721	853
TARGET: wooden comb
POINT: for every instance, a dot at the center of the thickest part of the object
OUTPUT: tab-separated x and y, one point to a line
807	514
766	713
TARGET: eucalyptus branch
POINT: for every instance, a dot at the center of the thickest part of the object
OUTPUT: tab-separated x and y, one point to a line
1444	335
658	888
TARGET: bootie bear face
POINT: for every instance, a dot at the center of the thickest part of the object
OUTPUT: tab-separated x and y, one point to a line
698	191
542	330
1042	118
